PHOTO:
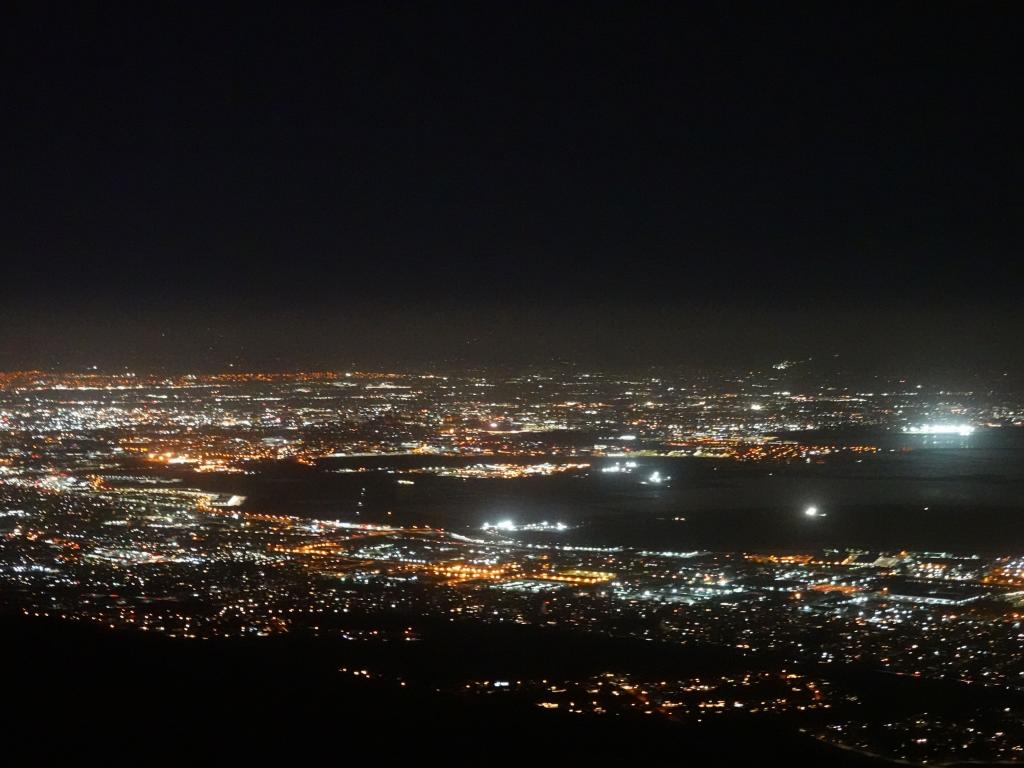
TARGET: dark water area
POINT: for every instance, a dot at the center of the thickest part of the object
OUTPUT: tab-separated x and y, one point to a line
960	494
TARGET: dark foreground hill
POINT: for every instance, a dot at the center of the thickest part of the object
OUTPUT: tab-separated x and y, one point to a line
79	692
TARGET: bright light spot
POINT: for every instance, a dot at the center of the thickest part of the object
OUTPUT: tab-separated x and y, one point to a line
940	429
811	511
509	525
756	407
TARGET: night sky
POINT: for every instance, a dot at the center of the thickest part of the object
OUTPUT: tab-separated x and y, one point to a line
393	183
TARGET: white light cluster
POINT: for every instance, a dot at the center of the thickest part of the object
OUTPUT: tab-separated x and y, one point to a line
509	525
940	429
629	466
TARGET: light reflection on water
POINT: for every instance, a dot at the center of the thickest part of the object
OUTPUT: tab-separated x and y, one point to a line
951	492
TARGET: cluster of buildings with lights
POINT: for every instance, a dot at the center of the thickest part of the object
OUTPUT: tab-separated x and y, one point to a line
228	423
168	559
101	521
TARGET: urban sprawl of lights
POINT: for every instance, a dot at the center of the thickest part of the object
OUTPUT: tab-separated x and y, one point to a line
100	523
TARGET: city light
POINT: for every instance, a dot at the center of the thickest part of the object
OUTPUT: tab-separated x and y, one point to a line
124	533
940	429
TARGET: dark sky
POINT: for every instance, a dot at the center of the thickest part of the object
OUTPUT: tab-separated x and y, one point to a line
193	184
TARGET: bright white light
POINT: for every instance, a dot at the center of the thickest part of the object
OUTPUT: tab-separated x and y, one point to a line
756	407
655	477
504	525
940	429
811	511
509	525
629	466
